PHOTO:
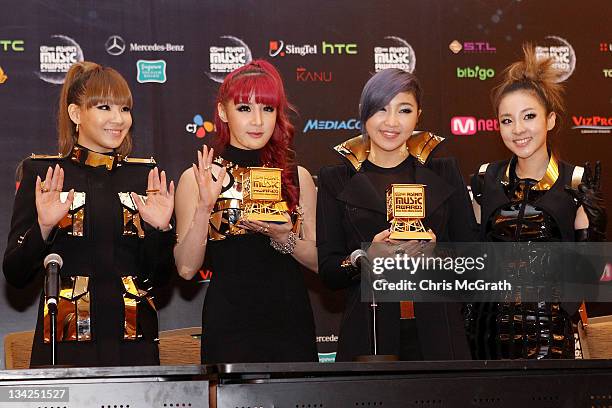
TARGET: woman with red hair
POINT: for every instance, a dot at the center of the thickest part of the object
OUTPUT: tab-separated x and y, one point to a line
256	308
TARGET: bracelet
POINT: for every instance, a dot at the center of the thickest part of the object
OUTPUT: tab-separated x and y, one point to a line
287	247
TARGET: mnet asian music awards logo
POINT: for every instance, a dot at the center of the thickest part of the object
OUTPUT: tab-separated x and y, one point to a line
562	53
3	76
151	71
227	57
279	48
56	58
472	47
592	124
469	125
396	54
199	126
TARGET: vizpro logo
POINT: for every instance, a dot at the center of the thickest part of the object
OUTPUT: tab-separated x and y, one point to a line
469	125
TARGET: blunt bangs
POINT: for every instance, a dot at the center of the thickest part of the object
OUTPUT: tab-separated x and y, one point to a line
262	86
106	86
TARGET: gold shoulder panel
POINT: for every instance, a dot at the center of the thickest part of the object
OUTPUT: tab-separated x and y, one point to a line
135	160
46	156
422	143
354	150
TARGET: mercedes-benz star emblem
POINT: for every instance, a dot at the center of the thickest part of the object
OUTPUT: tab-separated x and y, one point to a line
115	45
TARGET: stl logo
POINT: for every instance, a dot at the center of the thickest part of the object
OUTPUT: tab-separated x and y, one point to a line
200	127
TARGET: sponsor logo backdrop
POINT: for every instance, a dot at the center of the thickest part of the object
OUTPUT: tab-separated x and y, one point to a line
175	54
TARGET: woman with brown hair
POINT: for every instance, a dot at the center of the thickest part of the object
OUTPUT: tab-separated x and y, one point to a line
107	216
532	197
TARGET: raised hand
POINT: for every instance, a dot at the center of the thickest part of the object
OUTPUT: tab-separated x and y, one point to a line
208	188
49	207
278	232
588	195
157	209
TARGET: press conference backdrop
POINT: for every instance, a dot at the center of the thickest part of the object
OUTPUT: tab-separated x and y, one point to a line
174	54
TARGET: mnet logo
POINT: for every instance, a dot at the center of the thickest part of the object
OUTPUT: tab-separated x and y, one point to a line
607	73
12	45
199	126
314	124
476	73
338	48
279	48
469	125
472	47
592	124
303	75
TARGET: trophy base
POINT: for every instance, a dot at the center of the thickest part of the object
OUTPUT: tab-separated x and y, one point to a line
277	218
372	358
411	235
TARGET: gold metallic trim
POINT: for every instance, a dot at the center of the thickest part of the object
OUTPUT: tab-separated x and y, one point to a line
420	145
483	169
132	297
132	223
45	156
74	219
93	159
135	160
577	176
73	314
546	183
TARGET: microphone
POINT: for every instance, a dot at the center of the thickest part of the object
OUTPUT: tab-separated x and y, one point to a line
359	258
52	263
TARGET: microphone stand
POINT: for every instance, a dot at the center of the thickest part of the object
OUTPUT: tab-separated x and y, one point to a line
53	332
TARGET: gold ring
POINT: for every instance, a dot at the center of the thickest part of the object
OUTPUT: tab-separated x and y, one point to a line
153	191
207	168
265	230
44	190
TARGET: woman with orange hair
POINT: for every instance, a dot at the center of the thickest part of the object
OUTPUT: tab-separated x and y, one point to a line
256	308
88	205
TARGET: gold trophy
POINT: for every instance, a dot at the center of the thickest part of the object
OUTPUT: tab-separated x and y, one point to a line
405	209
262	198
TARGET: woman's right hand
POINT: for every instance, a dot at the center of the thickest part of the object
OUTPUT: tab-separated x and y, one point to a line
208	188
49	207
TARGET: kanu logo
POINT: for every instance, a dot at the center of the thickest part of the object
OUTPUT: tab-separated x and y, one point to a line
398	55
278	48
592	124
476	72
314	124
603	47
562	53
469	125
303	75
471	47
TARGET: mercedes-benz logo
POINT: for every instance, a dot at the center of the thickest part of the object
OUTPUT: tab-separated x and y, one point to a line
115	45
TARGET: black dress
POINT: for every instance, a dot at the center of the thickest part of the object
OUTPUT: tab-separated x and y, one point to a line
111	259
524	210
351	210
256	307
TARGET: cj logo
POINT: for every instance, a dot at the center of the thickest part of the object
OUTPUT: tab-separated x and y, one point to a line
115	45
200	127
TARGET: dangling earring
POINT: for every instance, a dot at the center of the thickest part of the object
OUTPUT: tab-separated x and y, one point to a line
77	128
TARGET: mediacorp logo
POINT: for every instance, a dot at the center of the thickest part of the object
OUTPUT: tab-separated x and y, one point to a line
199	126
151	71
469	125
316	124
397	54
592	124
475	73
279	48
472	47
12	45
